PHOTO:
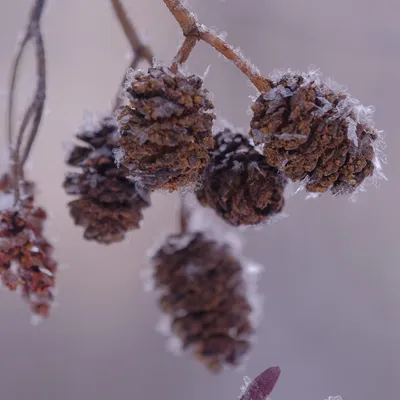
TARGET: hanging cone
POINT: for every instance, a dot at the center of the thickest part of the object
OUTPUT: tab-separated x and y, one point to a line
25	255
166	129
239	184
109	204
205	294
316	132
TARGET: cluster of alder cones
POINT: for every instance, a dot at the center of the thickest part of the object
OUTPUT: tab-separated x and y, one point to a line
303	129
165	138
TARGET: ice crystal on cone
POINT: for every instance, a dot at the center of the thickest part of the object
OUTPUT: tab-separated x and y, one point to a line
25	255
166	128
314	131
204	292
239	184
109	203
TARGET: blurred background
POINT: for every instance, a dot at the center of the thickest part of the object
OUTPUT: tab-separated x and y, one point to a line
331	283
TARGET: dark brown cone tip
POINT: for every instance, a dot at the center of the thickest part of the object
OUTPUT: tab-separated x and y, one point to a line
261	387
204	293
25	255
239	184
109	203
166	129
315	133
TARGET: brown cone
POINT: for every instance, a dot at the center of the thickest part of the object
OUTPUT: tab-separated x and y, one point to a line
239	184
166	129
25	255
109	203
314	132
204	292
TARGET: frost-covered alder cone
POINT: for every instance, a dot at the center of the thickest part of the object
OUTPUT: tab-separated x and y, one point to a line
109	203
239	184
25	255
204	292
166	128
314	131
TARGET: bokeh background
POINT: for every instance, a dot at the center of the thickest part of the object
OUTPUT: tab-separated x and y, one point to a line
332	277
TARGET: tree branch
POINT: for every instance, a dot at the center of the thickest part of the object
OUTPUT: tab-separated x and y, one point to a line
40	95
184	17
138	48
184	215
35	108
140	51
184	52
191	28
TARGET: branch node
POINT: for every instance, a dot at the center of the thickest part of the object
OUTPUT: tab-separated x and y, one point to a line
191	28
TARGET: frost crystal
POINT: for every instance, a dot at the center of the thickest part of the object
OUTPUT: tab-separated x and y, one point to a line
251	275
222	124
36	319
351	132
118	155
14	267
334	398
90	121
46	271
174	346
206	72
164	325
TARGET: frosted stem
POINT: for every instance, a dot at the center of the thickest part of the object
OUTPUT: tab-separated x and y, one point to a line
140	51
184	215
184	52
34	112
191	28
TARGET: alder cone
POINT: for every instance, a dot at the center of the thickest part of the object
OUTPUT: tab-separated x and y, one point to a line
109	204
314	131
205	294
239	184
25	255
166	128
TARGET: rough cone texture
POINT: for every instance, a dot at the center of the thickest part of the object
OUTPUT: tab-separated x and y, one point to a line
25	255
261	387
315	131
109	203
166	128
239	184
204	292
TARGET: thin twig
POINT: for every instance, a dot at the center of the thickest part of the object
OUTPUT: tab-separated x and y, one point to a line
137	46
184	215
184	52
140	51
191	28
35	108
40	95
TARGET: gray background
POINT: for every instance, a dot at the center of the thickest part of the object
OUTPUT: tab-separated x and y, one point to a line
331	282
